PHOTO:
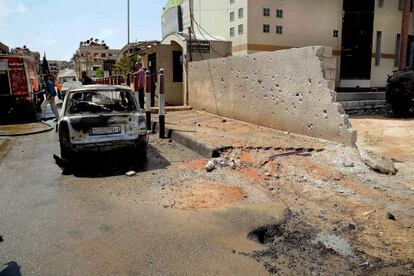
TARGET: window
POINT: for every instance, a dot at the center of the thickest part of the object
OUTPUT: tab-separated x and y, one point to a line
279	13
397	50
378	49
266	28
231	32
241	13
381	3
177	66
232	16
93	102
266	12
279	29
231	1
240	29
103	55
335	33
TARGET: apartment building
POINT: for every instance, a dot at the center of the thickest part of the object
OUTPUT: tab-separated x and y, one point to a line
364	35
93	55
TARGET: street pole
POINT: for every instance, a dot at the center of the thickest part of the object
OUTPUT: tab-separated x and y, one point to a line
161	112
148	98
405	26
128	19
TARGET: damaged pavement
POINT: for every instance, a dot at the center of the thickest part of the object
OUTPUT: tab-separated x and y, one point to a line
272	202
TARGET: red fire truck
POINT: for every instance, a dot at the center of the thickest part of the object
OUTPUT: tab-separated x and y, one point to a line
19	84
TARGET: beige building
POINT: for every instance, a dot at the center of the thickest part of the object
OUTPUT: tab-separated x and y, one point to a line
57	65
364	35
94	55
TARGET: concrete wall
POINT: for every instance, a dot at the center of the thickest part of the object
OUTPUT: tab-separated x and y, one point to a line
286	90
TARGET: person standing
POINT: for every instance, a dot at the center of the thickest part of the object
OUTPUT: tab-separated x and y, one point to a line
50	94
139	83
86	80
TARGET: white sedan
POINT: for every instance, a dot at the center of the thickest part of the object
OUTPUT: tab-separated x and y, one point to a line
100	118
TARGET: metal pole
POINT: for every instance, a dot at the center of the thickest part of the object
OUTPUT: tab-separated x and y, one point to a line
128	21
148	98
161	112
405	26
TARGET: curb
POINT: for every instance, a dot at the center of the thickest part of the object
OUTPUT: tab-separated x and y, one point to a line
154	110
190	142
50	127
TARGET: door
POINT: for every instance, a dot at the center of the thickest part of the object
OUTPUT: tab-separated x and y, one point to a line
4	78
357	34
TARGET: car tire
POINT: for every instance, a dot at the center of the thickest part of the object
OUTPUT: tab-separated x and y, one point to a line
64	142
400	107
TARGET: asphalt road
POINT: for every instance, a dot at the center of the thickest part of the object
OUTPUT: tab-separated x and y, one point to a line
86	224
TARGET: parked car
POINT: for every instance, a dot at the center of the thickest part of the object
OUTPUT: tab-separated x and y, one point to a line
101	118
400	91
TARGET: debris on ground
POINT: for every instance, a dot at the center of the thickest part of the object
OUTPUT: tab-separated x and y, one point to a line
377	162
131	173
391	216
222	163
211	165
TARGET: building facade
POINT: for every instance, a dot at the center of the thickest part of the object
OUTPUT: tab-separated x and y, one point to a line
57	65
364	35
4	49
92	57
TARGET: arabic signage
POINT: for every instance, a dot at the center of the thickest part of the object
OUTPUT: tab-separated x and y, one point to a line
199	46
17	75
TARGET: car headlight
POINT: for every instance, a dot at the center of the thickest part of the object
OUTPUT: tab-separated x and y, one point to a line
141	119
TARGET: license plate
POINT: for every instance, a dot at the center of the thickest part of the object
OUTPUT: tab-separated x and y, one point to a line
105	130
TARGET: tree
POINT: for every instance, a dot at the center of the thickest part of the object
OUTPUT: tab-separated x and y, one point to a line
99	73
126	65
45	66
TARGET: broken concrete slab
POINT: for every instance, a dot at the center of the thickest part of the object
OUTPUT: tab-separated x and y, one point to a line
378	162
288	90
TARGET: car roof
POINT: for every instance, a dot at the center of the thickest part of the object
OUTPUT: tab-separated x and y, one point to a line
101	87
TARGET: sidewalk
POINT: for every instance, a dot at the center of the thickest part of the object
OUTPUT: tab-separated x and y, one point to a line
207	134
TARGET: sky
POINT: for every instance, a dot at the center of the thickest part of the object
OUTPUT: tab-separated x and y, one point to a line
57	26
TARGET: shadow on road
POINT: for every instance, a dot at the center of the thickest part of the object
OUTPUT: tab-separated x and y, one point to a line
112	164
6	119
12	269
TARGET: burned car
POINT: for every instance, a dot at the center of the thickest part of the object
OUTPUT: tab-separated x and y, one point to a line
400	91
101	118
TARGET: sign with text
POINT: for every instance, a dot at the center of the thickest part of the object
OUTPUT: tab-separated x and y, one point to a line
199	46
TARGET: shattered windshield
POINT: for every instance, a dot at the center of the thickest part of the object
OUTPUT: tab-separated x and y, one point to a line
100	102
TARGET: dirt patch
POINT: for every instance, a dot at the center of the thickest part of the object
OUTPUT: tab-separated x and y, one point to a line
252	174
4	147
196	164
392	137
294	245
208	195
